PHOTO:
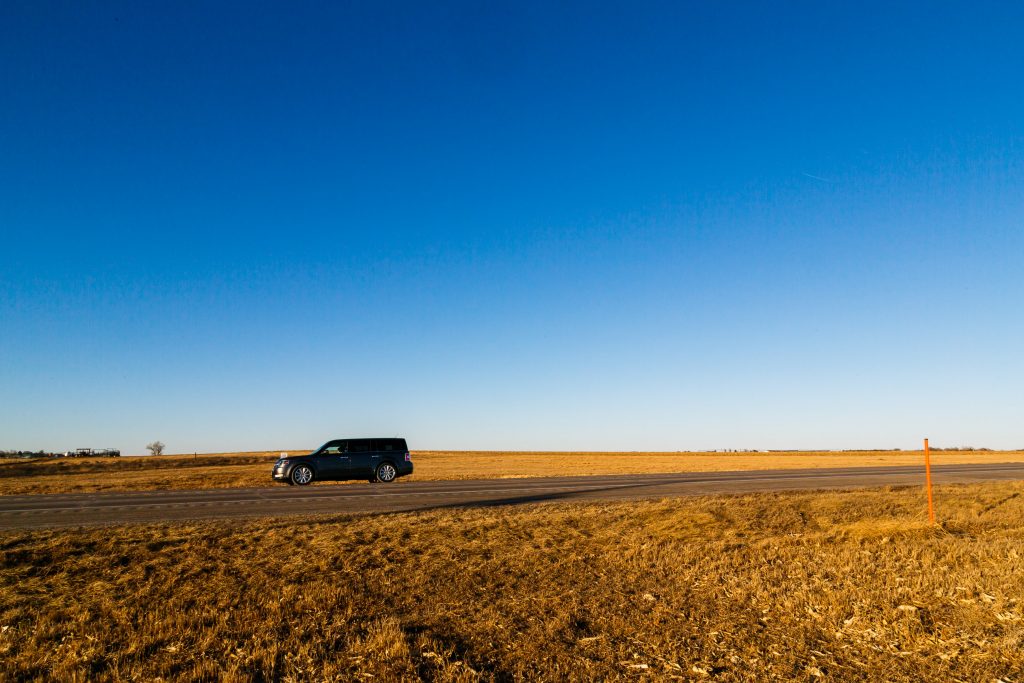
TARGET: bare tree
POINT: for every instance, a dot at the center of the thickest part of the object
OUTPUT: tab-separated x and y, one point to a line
156	448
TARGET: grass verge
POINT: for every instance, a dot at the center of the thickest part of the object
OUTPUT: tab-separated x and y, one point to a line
796	586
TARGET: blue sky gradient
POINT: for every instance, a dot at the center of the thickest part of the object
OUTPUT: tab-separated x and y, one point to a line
523	226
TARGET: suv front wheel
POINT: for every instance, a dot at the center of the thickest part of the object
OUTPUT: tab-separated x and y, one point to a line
302	475
386	473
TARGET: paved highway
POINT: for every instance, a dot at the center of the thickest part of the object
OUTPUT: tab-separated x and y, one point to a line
81	509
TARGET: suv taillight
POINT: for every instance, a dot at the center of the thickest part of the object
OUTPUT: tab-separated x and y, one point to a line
408	457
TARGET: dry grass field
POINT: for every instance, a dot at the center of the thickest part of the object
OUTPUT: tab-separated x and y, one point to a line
232	470
85	475
799	586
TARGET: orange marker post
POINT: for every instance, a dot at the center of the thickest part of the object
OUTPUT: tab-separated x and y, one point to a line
928	479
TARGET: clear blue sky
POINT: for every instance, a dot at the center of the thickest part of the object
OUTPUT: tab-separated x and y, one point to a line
511	225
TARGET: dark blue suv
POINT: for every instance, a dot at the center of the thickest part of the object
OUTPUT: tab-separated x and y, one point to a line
375	460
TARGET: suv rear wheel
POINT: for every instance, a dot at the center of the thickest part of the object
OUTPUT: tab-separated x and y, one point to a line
386	473
302	475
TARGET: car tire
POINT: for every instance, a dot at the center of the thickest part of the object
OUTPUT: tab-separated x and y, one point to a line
386	473
301	475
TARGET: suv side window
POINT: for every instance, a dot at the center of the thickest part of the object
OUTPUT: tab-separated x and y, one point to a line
334	448
359	446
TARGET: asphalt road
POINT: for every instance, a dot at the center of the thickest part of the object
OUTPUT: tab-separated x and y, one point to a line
87	509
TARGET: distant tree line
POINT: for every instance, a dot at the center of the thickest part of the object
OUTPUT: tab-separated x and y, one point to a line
78	453
29	454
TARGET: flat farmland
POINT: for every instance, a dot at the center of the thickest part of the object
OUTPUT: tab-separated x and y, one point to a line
784	586
252	469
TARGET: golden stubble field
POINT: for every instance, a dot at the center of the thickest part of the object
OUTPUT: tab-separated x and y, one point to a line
796	586
232	470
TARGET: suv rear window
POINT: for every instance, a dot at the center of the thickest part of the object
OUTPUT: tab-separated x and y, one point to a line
389	445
